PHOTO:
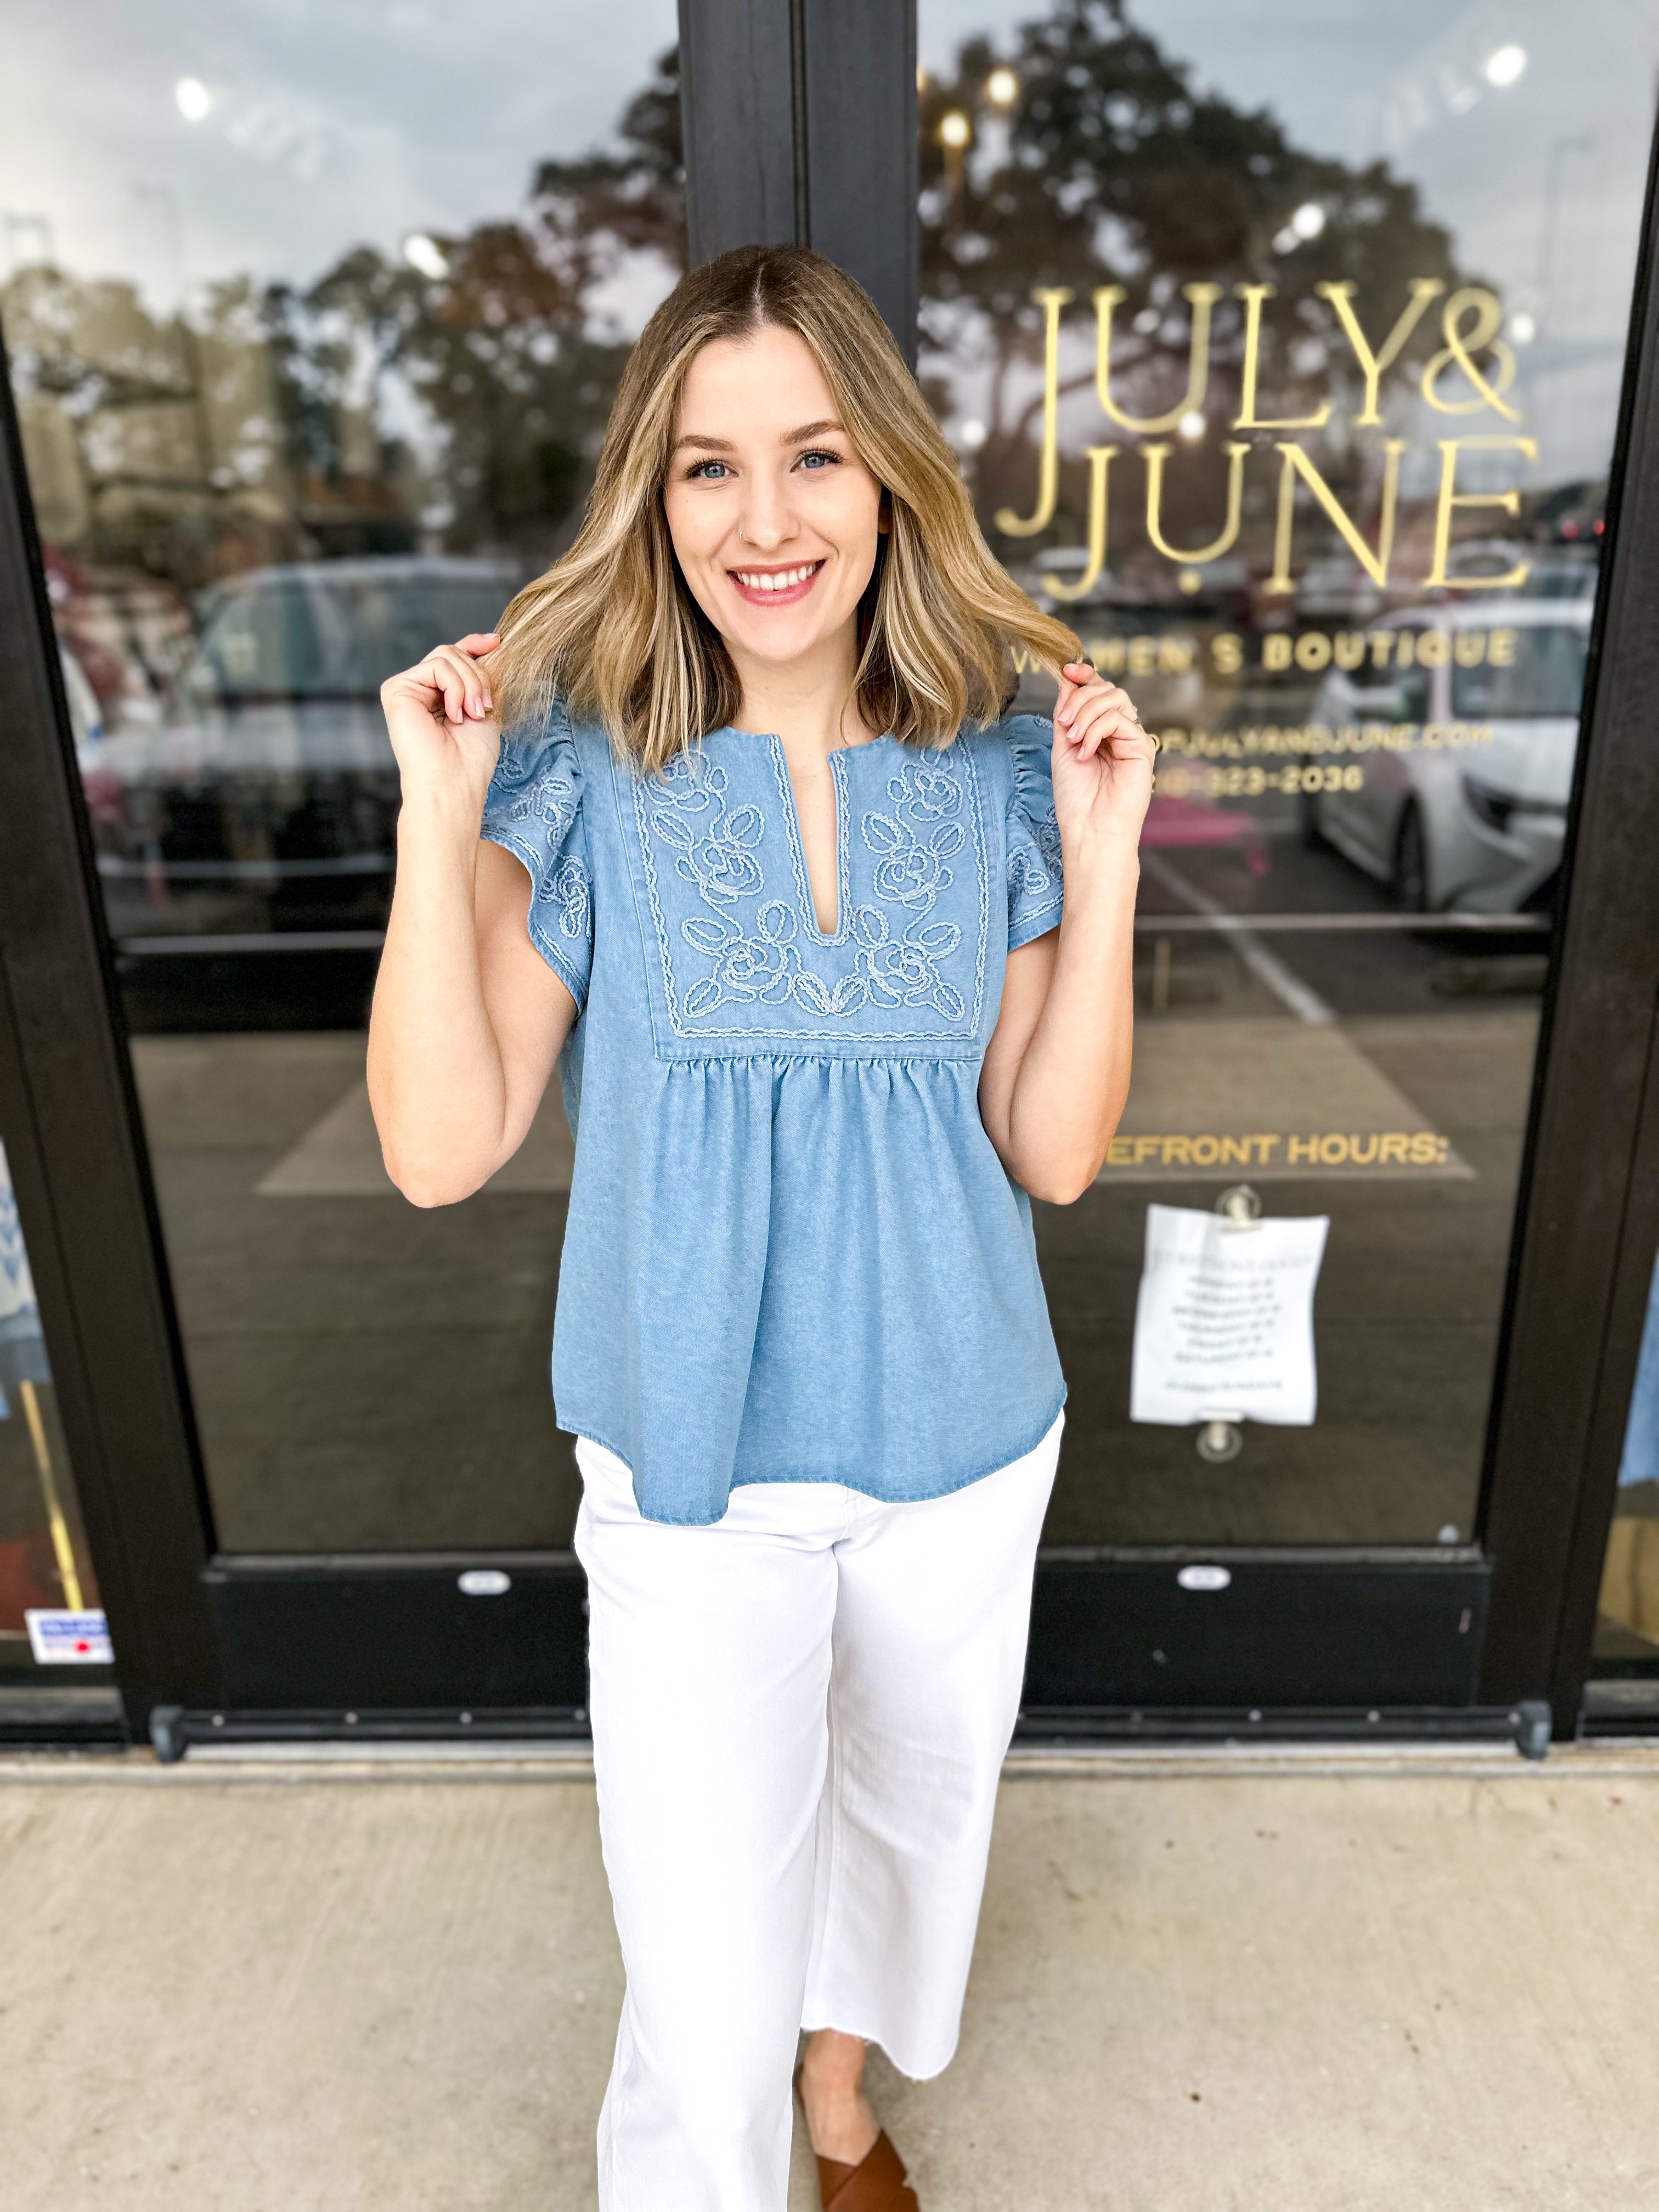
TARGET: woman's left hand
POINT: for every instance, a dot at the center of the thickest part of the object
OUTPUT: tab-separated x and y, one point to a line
1103	762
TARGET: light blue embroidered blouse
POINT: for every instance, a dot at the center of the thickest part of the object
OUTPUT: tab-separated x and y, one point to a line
792	1253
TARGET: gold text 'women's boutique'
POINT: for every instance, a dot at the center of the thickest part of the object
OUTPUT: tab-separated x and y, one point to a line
1307	374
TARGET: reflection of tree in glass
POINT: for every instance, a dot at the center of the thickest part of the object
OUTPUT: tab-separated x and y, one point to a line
1108	167
378	407
502	347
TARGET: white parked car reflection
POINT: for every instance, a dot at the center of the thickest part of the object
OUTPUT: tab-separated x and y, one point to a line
1475	826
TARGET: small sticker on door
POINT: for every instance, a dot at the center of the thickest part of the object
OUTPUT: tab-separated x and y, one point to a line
484	1582
58	1637
1202	1576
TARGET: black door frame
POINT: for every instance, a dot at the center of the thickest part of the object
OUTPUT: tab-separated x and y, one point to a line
800	122
1589	1224
82	1174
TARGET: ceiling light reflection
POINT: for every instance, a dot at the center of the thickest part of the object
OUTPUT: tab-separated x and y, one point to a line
425	255
1505	65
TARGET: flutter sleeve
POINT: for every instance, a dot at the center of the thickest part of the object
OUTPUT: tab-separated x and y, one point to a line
534	808
1033	841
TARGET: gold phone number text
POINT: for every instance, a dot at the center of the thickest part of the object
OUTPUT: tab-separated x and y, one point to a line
1183	783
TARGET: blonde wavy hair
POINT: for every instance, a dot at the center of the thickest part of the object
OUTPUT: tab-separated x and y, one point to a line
611	627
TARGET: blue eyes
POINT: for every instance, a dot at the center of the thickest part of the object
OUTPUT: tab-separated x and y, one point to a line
716	471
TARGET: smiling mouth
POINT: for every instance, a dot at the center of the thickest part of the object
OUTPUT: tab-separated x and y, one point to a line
776	587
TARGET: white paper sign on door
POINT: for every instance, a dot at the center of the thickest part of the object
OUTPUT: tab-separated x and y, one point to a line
1224	1322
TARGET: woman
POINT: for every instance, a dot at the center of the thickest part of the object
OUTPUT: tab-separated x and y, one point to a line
763	873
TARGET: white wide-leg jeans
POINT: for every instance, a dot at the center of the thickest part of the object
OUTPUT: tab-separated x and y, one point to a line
799	1716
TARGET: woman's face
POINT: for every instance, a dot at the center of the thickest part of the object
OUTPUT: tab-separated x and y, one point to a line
774	518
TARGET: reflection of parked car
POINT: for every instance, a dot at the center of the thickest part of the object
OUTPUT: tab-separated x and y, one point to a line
336	629
1187	825
1562	579
1336	591
1481	563
1472	813
266	798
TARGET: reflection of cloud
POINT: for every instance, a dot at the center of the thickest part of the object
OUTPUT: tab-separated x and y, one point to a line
366	98
274	126
1444	78
619	305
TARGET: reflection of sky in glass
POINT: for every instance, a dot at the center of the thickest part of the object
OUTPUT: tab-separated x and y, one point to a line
1540	181
377	413
331	122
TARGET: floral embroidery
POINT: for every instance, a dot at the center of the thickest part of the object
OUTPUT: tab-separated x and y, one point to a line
1027	878
896	972
514	766
910	872
891	951
533	805
911	869
928	788
722	863
717	855
1034	877
904	972
758	967
567	887
521	794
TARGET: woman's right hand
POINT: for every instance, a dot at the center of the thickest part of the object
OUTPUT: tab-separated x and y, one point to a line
441	720
468	1018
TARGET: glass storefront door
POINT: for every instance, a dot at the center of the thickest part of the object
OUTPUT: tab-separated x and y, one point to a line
313	331
1282	351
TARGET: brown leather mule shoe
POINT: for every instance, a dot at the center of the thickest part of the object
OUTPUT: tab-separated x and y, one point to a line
875	2184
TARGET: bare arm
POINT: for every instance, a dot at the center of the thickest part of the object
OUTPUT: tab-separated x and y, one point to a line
468	1017
1056	1072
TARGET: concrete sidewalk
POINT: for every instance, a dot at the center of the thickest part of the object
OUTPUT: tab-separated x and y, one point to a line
1244	1983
